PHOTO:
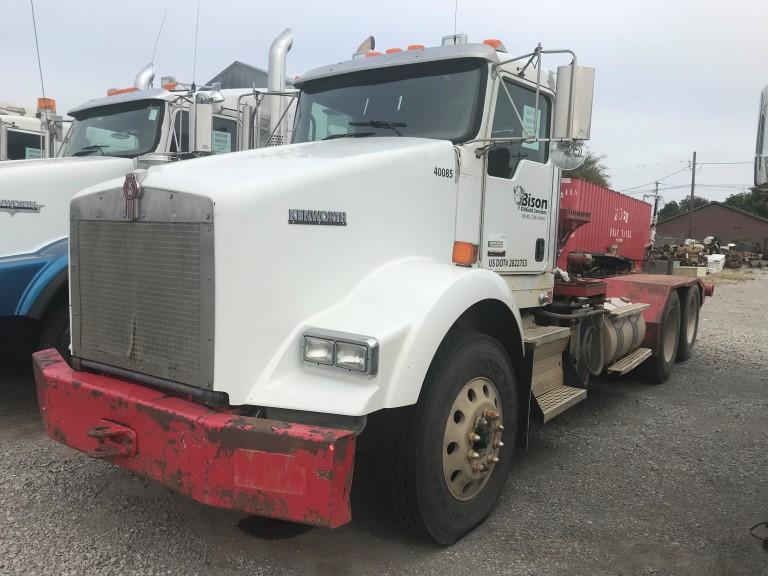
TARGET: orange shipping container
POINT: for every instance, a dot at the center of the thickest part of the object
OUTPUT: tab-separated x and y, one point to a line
615	220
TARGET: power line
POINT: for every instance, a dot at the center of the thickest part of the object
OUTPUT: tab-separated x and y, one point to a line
721	163
655	180
687	167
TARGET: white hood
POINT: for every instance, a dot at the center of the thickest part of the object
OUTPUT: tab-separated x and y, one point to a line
35	195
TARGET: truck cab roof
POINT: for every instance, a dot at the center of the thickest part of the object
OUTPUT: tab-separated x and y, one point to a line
405	57
429	54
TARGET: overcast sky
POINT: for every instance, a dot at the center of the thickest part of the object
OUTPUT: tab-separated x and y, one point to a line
673	76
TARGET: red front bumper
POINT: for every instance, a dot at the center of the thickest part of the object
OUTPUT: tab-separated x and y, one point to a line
265	467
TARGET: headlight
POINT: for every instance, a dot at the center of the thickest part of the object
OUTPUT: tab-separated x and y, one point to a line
318	350
351	356
342	350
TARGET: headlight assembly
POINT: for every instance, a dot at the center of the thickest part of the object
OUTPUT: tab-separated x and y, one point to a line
341	350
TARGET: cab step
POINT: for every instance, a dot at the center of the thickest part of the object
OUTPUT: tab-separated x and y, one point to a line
629	309
544	334
630	361
558	400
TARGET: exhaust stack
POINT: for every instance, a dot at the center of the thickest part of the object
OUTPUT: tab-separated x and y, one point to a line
276	82
145	77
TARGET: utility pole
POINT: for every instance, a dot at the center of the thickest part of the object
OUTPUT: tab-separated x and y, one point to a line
655	204
693	189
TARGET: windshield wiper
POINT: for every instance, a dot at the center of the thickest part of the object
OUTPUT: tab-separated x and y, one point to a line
382	124
91	149
348	135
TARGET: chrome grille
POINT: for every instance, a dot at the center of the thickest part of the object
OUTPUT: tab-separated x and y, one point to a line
142	297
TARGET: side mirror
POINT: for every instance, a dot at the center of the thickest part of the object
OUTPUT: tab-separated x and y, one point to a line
573	103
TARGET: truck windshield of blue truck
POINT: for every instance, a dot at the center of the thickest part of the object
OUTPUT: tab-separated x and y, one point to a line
441	100
124	130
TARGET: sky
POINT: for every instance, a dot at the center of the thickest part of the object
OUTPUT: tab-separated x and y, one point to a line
672	76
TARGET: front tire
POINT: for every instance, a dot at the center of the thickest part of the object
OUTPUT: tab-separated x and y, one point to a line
54	332
460	439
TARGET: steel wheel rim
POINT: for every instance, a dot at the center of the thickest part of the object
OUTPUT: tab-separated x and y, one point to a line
670	337
472	438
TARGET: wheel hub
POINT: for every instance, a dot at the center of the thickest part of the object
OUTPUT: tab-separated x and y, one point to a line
472	439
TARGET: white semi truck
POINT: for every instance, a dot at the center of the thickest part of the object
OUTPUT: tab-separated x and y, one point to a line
24	135
241	322
130	129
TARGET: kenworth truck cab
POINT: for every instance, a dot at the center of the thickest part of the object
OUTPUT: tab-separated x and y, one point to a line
241	322
26	136
130	129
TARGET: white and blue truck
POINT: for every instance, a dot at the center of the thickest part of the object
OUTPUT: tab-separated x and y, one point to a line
130	129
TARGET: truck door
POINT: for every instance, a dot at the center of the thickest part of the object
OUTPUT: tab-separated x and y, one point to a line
520	181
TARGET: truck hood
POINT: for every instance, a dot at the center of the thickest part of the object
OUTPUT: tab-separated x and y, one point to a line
232	179
35	195
274	274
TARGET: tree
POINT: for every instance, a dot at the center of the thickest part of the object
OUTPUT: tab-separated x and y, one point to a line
754	201
592	170
674	208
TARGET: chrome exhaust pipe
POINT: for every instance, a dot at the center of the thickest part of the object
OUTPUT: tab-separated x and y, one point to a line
276	79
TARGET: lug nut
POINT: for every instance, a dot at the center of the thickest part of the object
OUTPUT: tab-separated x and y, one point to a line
474	437
483	422
493	459
499	427
498	444
491	414
479	467
473	455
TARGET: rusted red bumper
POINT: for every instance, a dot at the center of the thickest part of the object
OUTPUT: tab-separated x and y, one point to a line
265	467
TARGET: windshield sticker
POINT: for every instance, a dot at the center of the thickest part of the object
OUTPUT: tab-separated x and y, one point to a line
32	153
529	127
221	142
153	113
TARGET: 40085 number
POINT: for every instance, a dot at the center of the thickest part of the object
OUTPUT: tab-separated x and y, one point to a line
443	172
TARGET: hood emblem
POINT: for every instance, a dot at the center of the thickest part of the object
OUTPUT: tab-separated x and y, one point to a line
14	206
132	192
317	217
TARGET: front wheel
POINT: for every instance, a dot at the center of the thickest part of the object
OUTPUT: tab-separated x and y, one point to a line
54	332
460	439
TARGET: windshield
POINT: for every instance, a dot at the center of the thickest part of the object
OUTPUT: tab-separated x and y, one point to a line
441	100
126	130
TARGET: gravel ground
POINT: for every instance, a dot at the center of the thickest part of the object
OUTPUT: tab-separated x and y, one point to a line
638	479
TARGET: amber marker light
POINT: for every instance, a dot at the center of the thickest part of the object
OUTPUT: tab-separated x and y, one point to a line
464	253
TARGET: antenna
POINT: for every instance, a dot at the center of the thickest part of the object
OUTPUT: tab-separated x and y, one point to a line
40	69
194	61
455	16
157	40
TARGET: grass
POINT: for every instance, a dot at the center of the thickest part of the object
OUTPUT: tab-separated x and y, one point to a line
730	276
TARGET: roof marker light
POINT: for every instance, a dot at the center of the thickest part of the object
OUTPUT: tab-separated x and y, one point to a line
496	44
394	50
116	91
48	104
415	47
371	54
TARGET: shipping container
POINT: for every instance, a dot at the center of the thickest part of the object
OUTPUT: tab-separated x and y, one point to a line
617	223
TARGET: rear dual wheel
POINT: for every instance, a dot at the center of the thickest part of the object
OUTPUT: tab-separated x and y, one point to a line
457	447
659	366
689	328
